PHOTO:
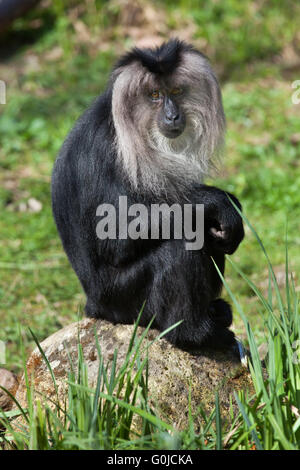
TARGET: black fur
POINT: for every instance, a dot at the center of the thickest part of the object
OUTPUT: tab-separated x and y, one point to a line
118	276
161	60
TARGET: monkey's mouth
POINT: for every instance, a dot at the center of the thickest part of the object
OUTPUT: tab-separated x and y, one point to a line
172	133
170	129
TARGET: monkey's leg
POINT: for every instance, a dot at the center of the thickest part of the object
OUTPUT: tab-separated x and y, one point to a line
84	262
221	312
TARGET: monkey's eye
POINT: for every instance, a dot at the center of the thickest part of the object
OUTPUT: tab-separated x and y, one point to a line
176	91
155	95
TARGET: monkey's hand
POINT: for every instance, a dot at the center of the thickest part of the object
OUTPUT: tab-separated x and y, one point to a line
223	224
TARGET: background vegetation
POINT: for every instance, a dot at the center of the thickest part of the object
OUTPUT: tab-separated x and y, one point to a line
57	59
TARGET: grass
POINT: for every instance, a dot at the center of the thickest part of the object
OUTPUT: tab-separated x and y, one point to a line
53	71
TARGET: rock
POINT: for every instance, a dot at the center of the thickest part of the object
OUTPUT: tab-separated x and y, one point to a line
9	381
34	205
171	370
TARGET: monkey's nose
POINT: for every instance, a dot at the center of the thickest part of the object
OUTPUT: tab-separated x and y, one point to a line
176	118
173	119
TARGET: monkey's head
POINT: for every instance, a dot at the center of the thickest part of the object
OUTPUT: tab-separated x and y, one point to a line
168	115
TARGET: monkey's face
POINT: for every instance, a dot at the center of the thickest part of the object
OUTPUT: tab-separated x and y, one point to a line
170	117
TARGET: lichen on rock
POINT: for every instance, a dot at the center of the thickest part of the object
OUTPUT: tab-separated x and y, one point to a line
172	372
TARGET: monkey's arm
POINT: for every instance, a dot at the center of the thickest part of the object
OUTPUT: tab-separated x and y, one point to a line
223	230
